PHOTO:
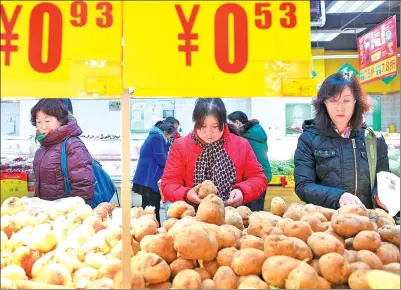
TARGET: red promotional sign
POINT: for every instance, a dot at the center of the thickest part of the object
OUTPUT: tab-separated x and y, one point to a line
377	52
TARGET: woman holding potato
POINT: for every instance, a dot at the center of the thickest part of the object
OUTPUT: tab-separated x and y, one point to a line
212	153
331	161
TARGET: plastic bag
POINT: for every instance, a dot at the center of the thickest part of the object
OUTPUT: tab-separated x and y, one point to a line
388	188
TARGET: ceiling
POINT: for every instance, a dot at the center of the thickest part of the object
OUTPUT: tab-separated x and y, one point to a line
346	23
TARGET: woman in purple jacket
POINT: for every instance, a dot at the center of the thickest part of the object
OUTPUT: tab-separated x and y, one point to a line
54	125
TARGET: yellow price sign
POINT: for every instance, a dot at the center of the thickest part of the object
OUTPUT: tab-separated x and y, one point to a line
299	88
210	48
50	48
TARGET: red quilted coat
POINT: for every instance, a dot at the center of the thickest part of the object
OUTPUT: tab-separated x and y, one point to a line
178	175
49	184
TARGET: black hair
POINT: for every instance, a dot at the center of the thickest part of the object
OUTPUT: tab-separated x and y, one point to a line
165	126
68	105
333	86
50	107
233	129
238	116
172	120
205	107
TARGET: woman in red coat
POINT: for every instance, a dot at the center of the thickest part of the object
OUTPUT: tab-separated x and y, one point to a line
211	152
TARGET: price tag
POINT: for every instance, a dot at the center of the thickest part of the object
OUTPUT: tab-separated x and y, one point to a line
50	48
13	184
211	48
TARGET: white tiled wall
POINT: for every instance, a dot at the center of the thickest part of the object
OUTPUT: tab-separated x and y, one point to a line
390	106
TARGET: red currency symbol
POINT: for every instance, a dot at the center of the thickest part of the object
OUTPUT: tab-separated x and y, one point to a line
9	35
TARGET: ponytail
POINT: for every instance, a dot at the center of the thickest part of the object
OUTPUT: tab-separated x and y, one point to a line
166	127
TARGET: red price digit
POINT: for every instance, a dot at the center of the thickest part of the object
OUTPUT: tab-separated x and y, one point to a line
36	37
291	20
221	49
107	19
265	20
79	10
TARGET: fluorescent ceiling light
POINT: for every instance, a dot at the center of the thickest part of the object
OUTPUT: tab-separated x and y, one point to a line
332	36
373	6
316	37
354	6
336	6
325	35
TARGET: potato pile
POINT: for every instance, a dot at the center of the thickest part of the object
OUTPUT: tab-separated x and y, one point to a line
216	247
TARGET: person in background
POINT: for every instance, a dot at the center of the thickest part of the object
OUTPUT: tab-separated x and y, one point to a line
68	104
151	163
54	125
331	163
257	137
212	153
176	125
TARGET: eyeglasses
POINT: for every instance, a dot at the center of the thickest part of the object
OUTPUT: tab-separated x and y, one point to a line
332	103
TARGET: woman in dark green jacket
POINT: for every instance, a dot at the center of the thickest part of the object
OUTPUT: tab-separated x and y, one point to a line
254	133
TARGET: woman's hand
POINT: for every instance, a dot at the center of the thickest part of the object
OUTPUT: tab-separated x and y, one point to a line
236	198
379	203
192	195
349	198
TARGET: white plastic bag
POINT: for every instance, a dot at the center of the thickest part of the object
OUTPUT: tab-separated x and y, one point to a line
388	188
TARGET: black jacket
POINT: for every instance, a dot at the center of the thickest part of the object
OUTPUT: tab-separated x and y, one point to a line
325	166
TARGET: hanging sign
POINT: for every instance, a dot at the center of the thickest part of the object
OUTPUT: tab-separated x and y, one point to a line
58	45
211	48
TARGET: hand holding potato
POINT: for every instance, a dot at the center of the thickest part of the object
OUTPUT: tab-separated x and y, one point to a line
236	198
192	195
349	198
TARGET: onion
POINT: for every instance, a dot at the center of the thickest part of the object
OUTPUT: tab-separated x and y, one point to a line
136	212
83	211
85	273
95	223
42	263
149	210
80	235
19	239
73	218
104	283
7	284
117	216
12	205
13	272
43	238
57	211
64	259
43	217
9	225
107	206
23	218
95	260
4	240
5	260
113	236
25	257
101	211
110	269
54	273
61	231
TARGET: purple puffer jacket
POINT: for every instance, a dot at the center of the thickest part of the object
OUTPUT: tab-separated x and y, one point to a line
49	183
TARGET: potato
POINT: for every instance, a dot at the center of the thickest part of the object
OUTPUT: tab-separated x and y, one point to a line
350	256
227	236
232	217
251	282
323	283
143	227
181	264
369	258
225	256
278	206
353	209
279	246
357	280
283	223
367	240
137	280
314	222
349	244
384	218
298	229
327	212
187	279
181	224
295	212
168	224
388	253
208	284
194	243
302	277
207	187
276	269
319	215
211	210
358	266
245	213
180	209
315	264
334	268
225	278
303	252
160	244
162	285
392	267
258	220
248	262
269	230
211	266
322	243
110	269
153	268
337	236
390	234
204	274
348	225
251	242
